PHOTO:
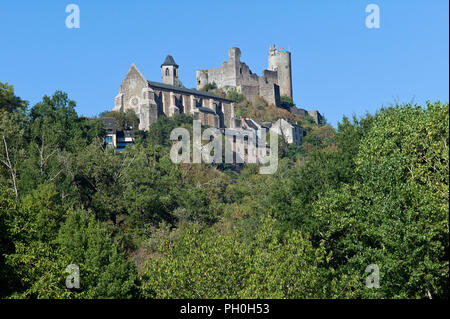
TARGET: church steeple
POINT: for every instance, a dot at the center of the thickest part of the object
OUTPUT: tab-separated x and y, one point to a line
169	71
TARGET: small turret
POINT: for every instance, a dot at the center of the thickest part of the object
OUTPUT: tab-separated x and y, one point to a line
169	71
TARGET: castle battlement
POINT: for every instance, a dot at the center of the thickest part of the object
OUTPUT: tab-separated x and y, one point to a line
273	82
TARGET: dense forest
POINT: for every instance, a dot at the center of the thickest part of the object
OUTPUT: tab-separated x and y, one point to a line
373	191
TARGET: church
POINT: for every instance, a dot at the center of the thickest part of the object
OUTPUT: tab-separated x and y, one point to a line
150	100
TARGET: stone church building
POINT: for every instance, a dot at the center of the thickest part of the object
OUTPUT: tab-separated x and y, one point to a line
150	100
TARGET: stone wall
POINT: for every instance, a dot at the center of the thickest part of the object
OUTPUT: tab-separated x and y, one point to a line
234	73
280	62
316	116
290	131
150	100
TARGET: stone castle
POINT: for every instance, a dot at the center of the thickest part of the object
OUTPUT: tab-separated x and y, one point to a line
150	100
274	82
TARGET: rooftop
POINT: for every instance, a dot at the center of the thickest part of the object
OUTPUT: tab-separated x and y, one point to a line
109	123
187	91
205	109
169	61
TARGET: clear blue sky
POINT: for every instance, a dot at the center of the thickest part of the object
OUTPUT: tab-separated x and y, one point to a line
340	67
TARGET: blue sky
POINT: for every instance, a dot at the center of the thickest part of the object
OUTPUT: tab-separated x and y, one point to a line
340	67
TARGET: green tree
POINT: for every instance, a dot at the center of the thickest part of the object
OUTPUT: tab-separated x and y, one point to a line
234	95
9	102
208	264
127	120
104	270
286	102
395	214
210	87
35	259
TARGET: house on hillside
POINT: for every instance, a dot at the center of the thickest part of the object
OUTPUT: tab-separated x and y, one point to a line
290	131
118	140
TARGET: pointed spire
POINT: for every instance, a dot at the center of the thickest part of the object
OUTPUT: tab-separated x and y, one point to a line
169	61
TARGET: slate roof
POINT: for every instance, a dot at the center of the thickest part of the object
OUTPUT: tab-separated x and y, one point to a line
109	123
251	124
169	61
187	91
288	121
205	109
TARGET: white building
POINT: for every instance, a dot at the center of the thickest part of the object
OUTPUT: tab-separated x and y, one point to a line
291	132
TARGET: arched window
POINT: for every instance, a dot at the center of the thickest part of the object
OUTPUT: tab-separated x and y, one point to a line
167	71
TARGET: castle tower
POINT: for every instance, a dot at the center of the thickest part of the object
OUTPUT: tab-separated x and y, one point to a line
234	62
169	71
280	61
234	55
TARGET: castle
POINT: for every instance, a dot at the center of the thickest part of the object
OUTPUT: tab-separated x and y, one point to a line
151	100
274	82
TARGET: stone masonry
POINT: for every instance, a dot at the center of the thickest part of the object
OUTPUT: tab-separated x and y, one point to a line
150	100
273	83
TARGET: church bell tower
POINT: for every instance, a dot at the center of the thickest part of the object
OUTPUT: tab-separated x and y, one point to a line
169	71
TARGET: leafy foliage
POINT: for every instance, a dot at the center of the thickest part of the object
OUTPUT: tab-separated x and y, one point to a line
123	120
374	191
286	102
207	264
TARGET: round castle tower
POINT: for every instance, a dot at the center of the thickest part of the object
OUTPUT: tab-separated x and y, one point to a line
280	61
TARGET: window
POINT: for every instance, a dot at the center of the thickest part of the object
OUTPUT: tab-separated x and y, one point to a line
174	72
167	71
122	145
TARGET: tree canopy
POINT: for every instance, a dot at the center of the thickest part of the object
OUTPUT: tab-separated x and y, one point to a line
373	191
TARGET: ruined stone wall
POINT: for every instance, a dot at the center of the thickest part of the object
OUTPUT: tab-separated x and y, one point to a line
245	76
316	116
234	73
225	75
250	92
268	87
